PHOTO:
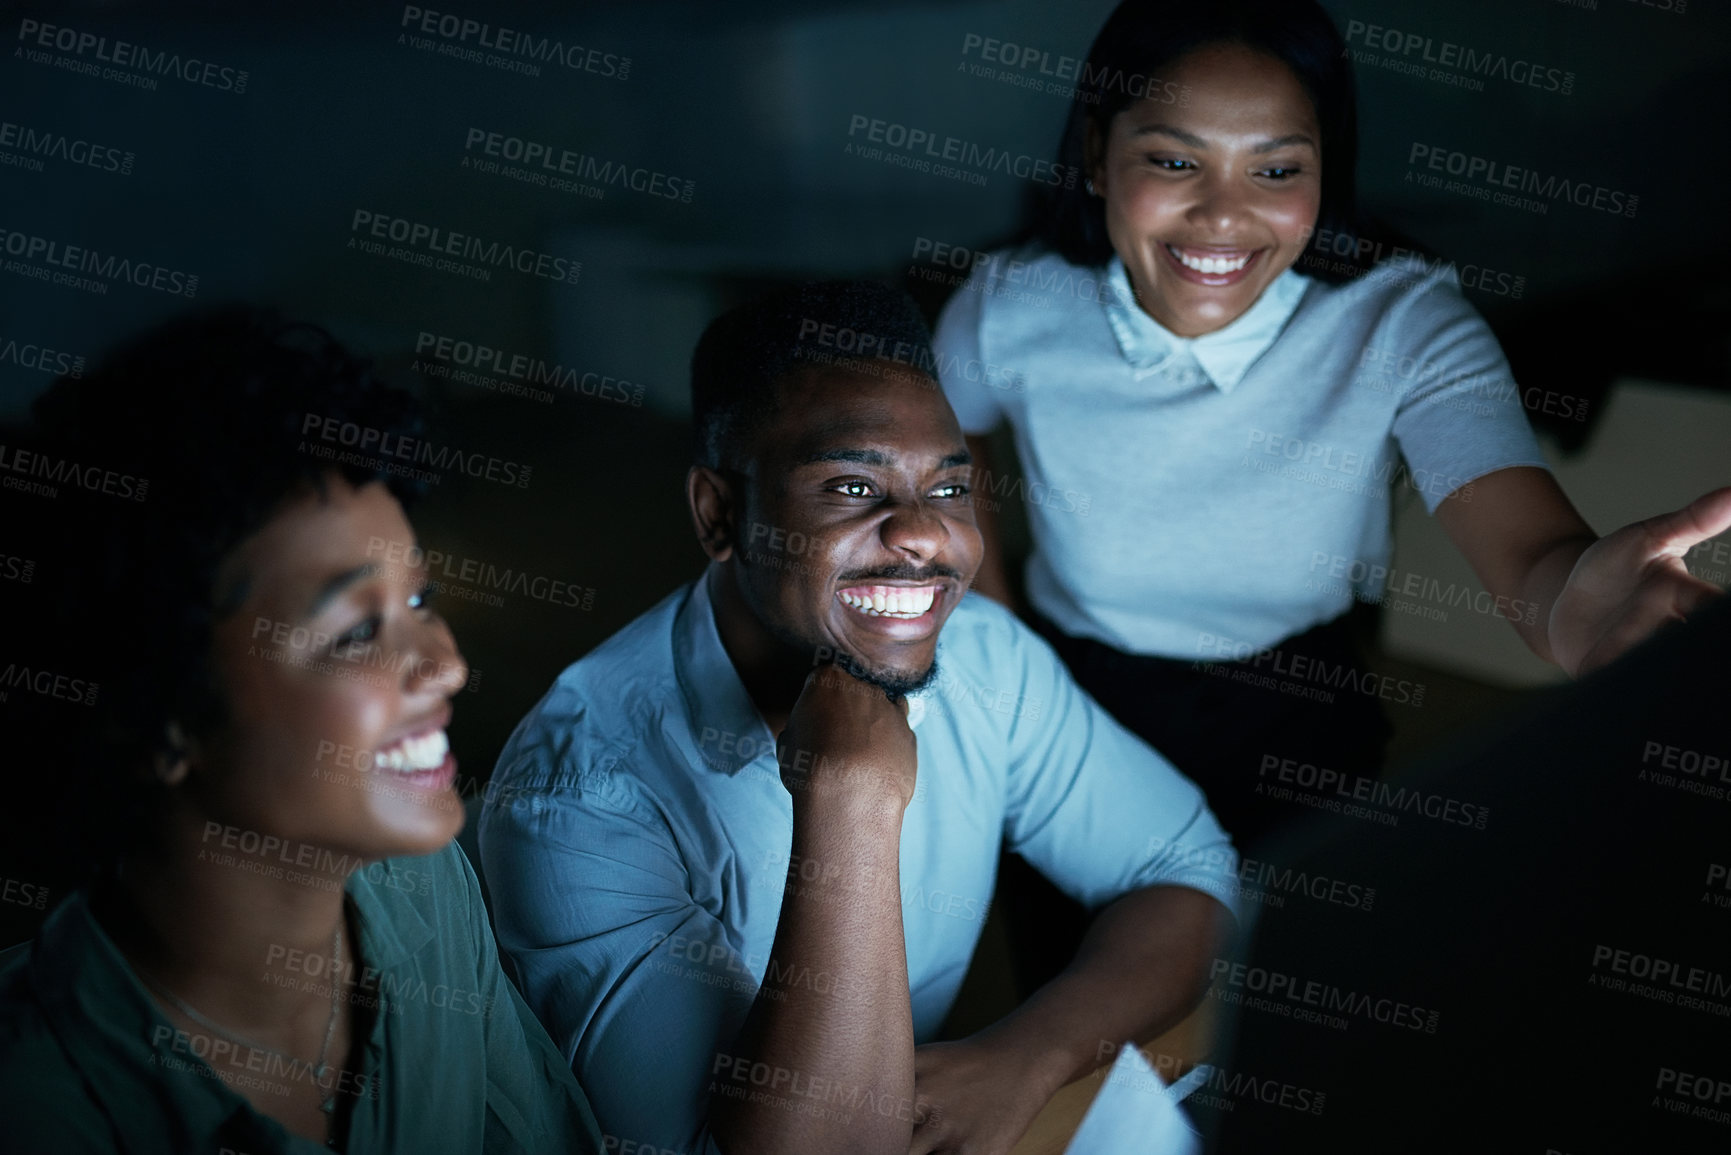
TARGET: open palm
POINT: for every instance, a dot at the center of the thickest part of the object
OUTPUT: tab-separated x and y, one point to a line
1630	582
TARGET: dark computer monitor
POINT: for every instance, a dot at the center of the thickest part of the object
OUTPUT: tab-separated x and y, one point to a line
1544	962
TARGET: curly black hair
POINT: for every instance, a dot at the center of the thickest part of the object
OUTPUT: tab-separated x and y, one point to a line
133	486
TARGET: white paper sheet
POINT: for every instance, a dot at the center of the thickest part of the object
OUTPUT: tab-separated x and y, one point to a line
1136	1114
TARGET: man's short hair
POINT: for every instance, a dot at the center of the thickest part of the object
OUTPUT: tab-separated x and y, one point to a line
745	353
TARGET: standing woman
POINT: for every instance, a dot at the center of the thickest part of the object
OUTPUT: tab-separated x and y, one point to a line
276	947
1207	462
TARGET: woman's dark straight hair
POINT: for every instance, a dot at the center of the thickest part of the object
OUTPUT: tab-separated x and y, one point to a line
1144	38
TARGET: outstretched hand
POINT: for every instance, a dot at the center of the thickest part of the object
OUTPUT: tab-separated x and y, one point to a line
1632	581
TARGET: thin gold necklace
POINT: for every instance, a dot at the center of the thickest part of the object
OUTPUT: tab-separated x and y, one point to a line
321	1069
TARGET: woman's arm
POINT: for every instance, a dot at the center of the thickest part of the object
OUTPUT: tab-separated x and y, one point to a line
1594	597
993	580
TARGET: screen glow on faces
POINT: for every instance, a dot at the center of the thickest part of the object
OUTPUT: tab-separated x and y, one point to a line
1207	202
337	678
870	474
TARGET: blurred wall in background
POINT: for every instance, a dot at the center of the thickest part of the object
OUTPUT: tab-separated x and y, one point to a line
670	158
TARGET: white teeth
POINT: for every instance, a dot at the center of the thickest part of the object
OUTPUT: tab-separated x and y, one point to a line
1211	265
425	752
891	602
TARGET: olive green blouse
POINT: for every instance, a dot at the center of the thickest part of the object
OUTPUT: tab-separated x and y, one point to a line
455	1061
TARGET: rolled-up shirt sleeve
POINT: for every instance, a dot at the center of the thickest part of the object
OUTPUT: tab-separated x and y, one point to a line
638	985
1096	809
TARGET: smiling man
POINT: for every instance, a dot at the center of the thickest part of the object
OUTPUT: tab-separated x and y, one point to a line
741	853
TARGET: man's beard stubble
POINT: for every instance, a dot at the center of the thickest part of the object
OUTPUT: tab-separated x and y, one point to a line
896	684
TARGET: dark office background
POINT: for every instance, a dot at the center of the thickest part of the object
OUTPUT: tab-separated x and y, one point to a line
749	106
745	108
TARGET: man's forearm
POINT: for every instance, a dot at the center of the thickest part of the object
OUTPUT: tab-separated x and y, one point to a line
832	1027
1142	967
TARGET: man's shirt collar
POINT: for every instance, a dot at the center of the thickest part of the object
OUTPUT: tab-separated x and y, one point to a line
725	723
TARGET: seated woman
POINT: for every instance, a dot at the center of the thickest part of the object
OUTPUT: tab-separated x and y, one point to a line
277	946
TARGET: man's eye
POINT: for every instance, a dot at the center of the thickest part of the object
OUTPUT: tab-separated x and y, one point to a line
422	598
853	489
1282	173
1171	164
953	489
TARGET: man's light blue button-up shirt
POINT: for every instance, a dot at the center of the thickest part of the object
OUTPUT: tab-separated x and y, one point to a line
636	842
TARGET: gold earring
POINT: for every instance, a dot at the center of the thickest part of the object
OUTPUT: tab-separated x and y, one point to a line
173	764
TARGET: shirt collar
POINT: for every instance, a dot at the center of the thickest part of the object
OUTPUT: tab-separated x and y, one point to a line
728	730
389	938
1225	354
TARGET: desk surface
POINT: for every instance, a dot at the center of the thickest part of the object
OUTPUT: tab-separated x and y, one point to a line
1187	1044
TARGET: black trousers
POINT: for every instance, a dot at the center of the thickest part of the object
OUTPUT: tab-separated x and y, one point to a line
1229	727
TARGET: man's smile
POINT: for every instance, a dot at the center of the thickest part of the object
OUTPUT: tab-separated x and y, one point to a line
896	611
890	601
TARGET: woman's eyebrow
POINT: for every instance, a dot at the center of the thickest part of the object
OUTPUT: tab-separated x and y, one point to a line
1178	134
1283	141
337	585
1191	140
